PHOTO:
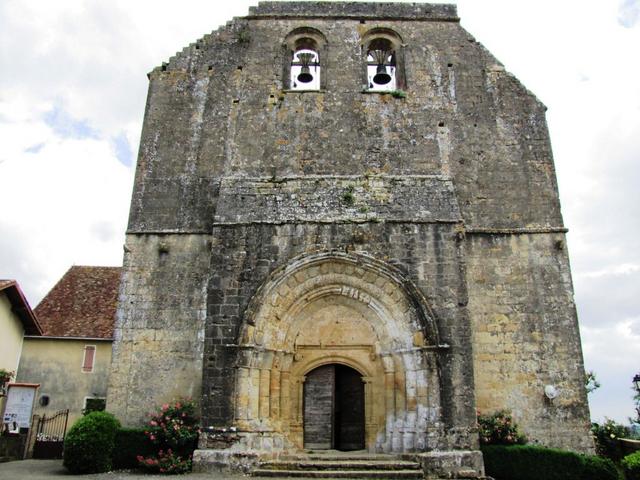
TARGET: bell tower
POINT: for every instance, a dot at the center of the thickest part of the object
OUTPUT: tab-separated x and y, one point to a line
345	233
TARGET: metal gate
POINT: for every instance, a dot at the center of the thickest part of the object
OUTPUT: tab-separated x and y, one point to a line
50	432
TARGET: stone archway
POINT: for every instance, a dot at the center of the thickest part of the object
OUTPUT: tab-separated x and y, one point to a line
341	309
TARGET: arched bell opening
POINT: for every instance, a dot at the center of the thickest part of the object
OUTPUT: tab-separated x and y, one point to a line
383	54
304	62
381	65
305	66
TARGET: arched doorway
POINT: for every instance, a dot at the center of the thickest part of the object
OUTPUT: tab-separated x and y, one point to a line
359	317
334	404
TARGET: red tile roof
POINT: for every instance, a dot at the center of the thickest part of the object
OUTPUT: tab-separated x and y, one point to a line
20	306
82	303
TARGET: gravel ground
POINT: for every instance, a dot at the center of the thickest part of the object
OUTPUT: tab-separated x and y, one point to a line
46	469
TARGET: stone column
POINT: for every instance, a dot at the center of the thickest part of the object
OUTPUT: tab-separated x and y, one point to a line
274	388
254	394
400	403
285	397
369	407
411	415
389	399
242	397
265	388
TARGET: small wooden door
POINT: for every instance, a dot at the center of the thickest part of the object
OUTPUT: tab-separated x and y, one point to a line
334	409
318	408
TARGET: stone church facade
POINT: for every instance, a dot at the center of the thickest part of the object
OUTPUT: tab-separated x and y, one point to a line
345	233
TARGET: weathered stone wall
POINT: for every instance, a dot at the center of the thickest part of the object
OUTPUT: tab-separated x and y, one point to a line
238	177
427	254
159	331
525	335
217	109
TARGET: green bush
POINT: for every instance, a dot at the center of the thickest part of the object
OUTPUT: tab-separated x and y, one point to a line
529	462
499	429
606	438
631	466
89	444
599	468
174	433
130	443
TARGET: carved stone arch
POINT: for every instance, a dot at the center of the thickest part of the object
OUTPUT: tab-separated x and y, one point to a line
340	360
266	296
386	36
305	31
339	308
382	32
308	38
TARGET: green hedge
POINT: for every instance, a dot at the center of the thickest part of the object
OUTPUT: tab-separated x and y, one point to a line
88	446
631	466
96	444
130	442
529	462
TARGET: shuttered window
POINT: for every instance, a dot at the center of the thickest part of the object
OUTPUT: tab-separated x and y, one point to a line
89	358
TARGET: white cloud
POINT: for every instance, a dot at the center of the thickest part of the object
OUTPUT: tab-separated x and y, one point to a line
69	205
614	366
629	13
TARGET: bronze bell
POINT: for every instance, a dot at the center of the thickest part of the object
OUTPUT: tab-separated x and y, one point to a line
305	72
305	75
381	77
381	58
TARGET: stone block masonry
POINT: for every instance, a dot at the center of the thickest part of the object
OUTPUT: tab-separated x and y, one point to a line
412	238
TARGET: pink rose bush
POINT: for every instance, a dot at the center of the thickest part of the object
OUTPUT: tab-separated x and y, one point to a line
174	430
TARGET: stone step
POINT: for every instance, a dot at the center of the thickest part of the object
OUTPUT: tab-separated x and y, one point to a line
340	464
342	474
339	456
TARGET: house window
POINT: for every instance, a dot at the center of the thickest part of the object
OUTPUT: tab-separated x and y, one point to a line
89	358
94	404
383	54
304	60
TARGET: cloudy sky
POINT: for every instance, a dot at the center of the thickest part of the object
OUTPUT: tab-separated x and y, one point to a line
72	94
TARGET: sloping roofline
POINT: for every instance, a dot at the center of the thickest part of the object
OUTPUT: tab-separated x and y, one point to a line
20	306
82	304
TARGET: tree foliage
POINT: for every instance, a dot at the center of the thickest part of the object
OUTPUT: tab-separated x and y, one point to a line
591	383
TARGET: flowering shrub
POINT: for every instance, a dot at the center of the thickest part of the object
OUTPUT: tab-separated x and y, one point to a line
6	375
606	438
166	462
174	432
499	429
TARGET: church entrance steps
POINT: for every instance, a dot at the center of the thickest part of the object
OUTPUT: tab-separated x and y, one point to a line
339	465
342	474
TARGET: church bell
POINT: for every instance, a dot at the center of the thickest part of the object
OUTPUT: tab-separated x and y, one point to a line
381	77
305	75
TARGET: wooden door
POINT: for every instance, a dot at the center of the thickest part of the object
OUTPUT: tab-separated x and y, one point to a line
334	409
319	388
